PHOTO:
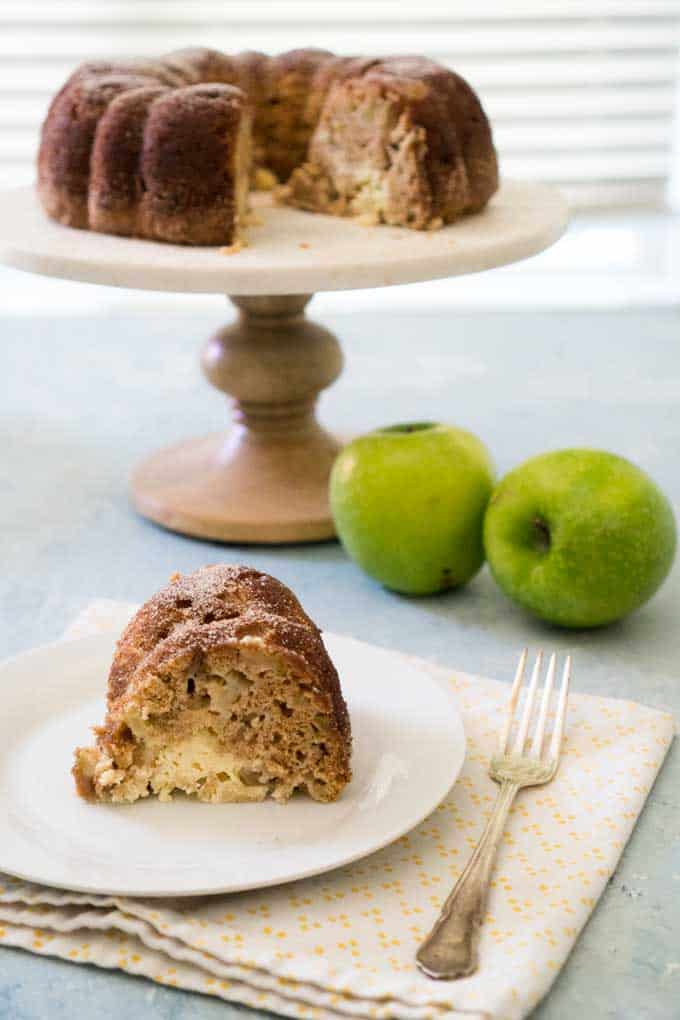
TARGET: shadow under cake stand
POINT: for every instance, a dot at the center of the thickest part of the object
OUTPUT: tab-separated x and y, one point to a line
266	479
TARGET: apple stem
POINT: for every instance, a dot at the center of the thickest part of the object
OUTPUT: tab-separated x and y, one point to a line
416	426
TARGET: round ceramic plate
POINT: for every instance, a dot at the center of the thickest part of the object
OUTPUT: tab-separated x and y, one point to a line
290	251
409	747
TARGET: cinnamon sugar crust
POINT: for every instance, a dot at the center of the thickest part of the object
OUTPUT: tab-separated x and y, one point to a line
128	148
220	687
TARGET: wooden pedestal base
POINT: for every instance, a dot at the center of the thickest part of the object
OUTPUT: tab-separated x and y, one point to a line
267	479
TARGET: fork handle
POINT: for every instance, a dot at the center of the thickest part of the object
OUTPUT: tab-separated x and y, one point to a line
450	950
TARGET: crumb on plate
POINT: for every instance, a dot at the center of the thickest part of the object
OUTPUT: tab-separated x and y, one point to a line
233	249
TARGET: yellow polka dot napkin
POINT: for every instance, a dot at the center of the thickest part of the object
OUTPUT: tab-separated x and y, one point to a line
342	945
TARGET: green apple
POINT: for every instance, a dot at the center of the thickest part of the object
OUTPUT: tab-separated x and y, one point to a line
408	503
579	537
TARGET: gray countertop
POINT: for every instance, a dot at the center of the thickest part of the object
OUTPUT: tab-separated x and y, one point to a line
82	399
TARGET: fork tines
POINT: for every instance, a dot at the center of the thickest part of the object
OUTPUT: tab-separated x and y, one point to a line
517	746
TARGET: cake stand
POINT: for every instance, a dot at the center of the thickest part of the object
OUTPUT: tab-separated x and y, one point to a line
266	479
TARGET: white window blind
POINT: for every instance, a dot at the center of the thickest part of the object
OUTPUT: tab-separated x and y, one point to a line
580	92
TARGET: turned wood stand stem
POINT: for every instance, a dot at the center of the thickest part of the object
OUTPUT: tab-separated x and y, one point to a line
266	480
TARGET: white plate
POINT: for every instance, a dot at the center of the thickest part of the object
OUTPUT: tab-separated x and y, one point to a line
409	747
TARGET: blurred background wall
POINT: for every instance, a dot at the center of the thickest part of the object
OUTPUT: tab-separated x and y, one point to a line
581	93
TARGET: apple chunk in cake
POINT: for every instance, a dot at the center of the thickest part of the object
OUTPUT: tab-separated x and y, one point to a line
220	688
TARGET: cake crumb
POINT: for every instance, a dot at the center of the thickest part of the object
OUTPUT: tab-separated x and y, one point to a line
368	219
304	244
265	180
233	249
281	194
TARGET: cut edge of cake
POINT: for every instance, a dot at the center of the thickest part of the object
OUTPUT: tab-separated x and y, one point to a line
406	144
241	707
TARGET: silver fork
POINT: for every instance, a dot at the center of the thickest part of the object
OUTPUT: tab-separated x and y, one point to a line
450	950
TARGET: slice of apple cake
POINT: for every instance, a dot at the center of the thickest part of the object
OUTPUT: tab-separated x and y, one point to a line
220	687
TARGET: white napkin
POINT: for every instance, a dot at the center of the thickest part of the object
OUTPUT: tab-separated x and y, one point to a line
343	944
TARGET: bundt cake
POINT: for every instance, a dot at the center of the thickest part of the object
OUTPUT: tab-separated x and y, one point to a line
220	687
167	149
